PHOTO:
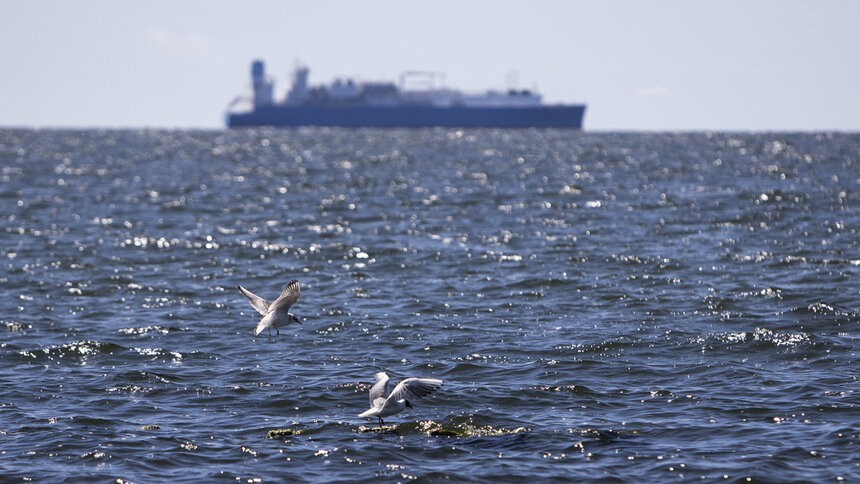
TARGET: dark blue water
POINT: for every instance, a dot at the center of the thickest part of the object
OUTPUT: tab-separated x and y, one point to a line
600	306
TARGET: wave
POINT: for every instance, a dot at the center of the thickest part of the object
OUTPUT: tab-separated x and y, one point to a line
82	351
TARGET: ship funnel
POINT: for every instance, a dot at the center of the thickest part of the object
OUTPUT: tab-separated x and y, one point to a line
258	70
299	91
262	86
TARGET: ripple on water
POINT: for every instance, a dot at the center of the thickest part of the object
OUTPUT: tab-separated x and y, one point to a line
759	338
148	330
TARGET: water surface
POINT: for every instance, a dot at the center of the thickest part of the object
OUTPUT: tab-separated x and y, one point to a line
601	306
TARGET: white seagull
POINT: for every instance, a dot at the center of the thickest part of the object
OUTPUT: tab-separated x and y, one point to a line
382	404
277	313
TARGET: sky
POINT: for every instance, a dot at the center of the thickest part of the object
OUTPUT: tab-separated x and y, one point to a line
673	65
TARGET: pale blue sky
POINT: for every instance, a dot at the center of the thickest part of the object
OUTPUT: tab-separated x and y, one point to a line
638	65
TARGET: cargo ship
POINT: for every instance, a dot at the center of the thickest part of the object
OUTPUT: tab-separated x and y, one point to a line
415	103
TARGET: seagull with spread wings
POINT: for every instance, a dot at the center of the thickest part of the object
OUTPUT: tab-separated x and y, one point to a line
383	404
277	313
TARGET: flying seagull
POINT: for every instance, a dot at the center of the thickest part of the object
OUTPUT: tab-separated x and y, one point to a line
276	313
383	404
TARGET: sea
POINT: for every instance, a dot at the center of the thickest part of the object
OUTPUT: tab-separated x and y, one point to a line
600	306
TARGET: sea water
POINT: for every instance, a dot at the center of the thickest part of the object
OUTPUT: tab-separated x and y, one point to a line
601	306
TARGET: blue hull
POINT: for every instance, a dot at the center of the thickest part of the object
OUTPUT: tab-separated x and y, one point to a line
567	116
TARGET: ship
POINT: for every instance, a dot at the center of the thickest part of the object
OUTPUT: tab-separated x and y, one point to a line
416	102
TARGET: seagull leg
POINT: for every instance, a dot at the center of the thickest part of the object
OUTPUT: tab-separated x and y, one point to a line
277	332
380	421
270	334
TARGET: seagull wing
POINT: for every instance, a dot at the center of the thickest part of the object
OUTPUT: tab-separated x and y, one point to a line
288	296
259	303
414	387
379	390
260	327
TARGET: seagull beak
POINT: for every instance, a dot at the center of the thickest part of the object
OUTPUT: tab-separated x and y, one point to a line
409	404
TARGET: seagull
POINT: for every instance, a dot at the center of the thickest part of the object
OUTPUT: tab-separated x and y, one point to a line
382	404
277	312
